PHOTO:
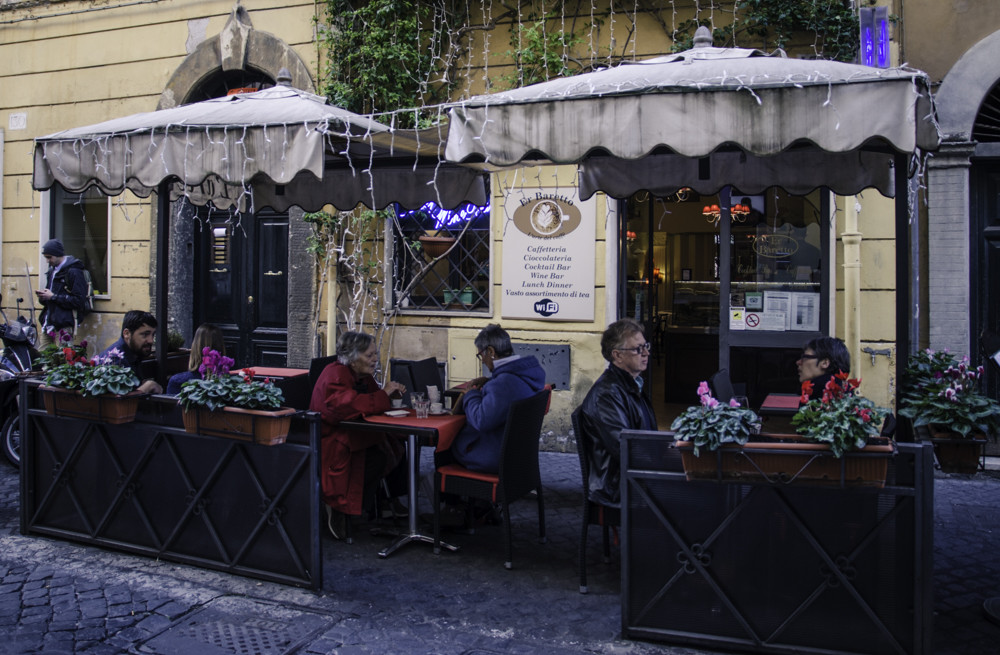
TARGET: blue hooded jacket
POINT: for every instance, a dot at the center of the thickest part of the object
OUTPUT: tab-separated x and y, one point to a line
477	447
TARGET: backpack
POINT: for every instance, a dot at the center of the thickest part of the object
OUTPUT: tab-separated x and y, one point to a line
88	299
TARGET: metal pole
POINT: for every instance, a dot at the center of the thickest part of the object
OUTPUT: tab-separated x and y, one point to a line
905	310
162	259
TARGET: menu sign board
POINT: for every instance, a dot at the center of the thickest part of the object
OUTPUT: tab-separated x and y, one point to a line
548	256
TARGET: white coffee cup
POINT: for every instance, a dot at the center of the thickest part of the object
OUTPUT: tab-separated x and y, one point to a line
437	408
397	403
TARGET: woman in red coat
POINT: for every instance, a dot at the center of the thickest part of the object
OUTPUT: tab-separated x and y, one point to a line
352	462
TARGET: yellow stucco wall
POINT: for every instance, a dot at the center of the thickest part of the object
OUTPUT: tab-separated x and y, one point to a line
93	63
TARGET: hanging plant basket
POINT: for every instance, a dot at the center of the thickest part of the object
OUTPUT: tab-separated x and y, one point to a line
789	462
265	427
107	408
958	454
436	246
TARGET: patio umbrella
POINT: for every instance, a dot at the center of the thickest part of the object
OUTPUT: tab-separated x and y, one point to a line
290	147
706	118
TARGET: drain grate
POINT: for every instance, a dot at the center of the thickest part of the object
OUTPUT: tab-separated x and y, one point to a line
240	626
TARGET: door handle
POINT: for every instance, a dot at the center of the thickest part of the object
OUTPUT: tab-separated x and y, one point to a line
275	273
249	300
218	270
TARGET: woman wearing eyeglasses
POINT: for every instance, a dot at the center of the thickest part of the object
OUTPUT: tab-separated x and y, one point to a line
821	359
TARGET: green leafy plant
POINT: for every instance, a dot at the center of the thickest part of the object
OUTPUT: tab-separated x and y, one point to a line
102	375
175	341
712	423
217	388
54	354
940	389
841	418
540	53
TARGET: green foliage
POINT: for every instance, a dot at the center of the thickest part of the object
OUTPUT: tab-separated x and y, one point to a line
774	24
939	389
539	53
217	388
175	341
841	418
712	424
103	375
378	56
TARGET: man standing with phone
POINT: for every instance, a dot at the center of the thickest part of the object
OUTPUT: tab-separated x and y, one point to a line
64	295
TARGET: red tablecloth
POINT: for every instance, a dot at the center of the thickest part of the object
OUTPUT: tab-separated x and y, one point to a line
447	425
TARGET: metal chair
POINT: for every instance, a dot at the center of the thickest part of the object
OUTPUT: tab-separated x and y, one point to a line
721	385
594	513
518	475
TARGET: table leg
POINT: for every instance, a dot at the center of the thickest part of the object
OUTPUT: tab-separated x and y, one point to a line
413	454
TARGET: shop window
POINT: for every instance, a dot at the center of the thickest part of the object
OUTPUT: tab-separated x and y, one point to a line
456	282
82	221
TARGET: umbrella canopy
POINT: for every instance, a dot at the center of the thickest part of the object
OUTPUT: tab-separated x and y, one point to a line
706	118
289	146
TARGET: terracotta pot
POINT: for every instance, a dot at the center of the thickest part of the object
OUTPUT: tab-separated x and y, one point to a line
955	453
265	427
436	246
106	409
788	462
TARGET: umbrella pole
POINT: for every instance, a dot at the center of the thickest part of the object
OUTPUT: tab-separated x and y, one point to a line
162	258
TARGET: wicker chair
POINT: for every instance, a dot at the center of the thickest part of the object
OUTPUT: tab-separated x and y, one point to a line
605	516
518	475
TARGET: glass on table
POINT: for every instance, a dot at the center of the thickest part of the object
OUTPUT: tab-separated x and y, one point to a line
421	407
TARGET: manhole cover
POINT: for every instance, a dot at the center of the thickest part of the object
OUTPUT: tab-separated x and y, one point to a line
238	626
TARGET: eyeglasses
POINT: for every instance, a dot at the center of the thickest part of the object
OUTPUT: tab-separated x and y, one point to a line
805	356
479	355
641	349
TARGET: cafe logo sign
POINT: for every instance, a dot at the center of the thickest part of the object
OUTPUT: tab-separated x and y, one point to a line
775	245
547	216
546	307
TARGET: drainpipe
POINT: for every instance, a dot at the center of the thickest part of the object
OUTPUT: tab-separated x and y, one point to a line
852	282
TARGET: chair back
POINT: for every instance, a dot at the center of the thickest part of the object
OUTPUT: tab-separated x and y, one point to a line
519	455
416	375
721	385
316	367
583	450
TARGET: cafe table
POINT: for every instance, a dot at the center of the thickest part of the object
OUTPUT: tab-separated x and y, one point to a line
438	431
777	411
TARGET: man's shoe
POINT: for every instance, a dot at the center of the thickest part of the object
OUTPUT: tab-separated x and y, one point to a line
336	522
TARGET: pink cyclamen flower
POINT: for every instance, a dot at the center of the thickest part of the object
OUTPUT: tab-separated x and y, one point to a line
703	389
709	402
733	402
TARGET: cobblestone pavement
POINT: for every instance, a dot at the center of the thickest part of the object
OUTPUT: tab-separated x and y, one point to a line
59	597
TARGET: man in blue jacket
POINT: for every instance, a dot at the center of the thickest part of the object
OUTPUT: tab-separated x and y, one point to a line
477	446
64	294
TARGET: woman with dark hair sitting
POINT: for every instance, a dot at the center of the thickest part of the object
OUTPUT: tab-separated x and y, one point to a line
821	359
353	463
206	336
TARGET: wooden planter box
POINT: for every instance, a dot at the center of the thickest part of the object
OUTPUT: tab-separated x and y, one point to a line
107	408
958	454
778	462
265	427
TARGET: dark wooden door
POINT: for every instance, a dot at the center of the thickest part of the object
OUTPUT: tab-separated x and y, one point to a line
985	268
242	284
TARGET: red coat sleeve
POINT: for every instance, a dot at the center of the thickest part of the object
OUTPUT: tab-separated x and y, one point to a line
339	395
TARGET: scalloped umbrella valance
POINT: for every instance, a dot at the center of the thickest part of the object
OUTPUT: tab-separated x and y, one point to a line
277	147
706	118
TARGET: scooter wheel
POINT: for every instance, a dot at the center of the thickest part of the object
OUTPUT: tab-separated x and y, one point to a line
11	433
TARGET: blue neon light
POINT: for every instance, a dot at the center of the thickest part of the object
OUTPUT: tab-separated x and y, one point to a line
447	217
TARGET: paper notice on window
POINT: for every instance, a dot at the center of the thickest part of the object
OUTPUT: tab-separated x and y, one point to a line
805	312
779	302
737	316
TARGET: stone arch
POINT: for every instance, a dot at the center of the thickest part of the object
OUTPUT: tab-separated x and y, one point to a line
964	87
239	47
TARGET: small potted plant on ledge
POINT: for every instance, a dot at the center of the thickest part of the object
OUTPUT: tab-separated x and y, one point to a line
941	394
238	407
711	425
101	389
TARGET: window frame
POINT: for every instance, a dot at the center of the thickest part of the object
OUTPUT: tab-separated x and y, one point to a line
53	199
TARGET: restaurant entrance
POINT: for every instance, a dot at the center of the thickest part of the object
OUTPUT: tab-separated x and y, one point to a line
734	280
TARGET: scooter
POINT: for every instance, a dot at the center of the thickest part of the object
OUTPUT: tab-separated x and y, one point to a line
19	356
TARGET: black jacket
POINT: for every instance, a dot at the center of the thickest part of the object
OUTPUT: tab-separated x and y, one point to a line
70	294
613	404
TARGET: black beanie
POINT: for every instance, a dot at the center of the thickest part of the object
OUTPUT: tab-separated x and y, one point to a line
54	247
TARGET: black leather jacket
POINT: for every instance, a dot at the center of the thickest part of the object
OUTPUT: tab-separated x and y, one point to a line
613	404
